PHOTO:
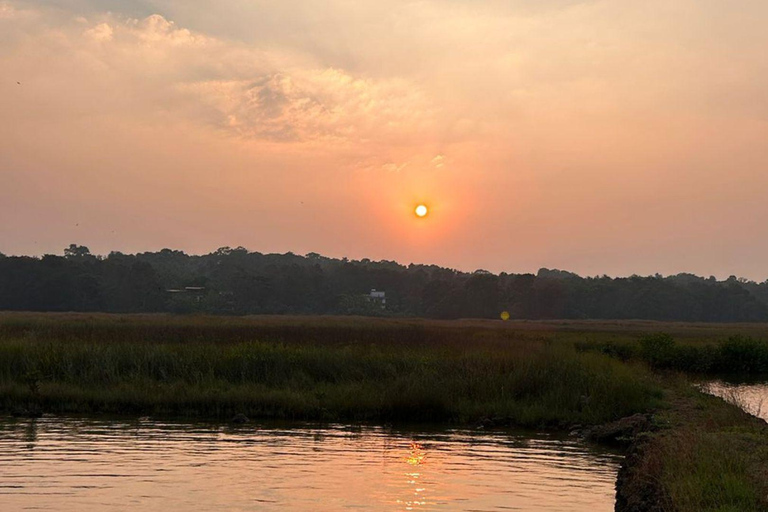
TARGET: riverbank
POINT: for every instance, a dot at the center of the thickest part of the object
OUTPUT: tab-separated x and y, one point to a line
696	452
690	452
699	453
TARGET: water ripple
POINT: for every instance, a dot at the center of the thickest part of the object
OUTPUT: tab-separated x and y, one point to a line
73	464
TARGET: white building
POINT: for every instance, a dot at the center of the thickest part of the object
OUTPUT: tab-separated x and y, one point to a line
378	296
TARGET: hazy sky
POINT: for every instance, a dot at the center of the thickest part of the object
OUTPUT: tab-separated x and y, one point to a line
610	136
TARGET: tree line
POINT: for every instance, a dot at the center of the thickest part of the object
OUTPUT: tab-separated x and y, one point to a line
238	281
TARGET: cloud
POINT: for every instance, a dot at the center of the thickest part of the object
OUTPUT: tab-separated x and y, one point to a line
438	161
257	94
6	10
101	32
326	105
10	11
393	167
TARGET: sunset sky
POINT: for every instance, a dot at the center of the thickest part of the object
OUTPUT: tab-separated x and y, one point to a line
615	136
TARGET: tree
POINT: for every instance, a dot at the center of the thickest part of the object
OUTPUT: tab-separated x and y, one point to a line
238	281
76	252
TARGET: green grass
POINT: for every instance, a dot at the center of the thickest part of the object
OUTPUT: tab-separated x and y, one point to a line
712	471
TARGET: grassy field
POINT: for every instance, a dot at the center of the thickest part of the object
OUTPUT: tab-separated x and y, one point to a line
700	453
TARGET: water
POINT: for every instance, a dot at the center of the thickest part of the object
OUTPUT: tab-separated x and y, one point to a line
752	398
86	465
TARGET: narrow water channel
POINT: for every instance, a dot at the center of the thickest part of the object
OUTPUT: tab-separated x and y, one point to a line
87	465
753	398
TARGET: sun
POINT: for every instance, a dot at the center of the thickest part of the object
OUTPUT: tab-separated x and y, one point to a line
421	211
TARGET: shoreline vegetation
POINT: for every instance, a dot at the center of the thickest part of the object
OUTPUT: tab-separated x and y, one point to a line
613	381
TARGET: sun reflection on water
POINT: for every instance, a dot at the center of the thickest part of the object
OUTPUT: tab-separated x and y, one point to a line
89	465
416	457
417	454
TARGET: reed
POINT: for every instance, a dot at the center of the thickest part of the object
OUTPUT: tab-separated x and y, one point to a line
331	369
739	355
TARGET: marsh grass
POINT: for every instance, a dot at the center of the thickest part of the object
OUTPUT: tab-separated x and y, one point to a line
712	471
735	355
326	368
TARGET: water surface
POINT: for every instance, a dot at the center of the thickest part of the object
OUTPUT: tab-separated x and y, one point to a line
753	398
85	465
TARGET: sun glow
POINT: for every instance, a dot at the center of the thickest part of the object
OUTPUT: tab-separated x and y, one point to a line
421	211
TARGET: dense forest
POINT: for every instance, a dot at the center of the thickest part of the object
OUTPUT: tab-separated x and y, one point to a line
237	281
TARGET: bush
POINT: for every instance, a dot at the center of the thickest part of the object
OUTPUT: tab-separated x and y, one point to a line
741	354
658	350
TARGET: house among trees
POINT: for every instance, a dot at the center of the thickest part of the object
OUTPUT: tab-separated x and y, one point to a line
378	297
196	291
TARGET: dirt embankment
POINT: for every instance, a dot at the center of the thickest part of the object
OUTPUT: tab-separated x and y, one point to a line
699	453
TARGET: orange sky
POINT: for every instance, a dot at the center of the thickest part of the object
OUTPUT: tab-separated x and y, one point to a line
600	137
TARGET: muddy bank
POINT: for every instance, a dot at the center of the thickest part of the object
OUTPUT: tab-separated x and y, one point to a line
638	484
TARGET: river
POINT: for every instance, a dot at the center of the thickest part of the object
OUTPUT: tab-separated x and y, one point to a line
75	464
